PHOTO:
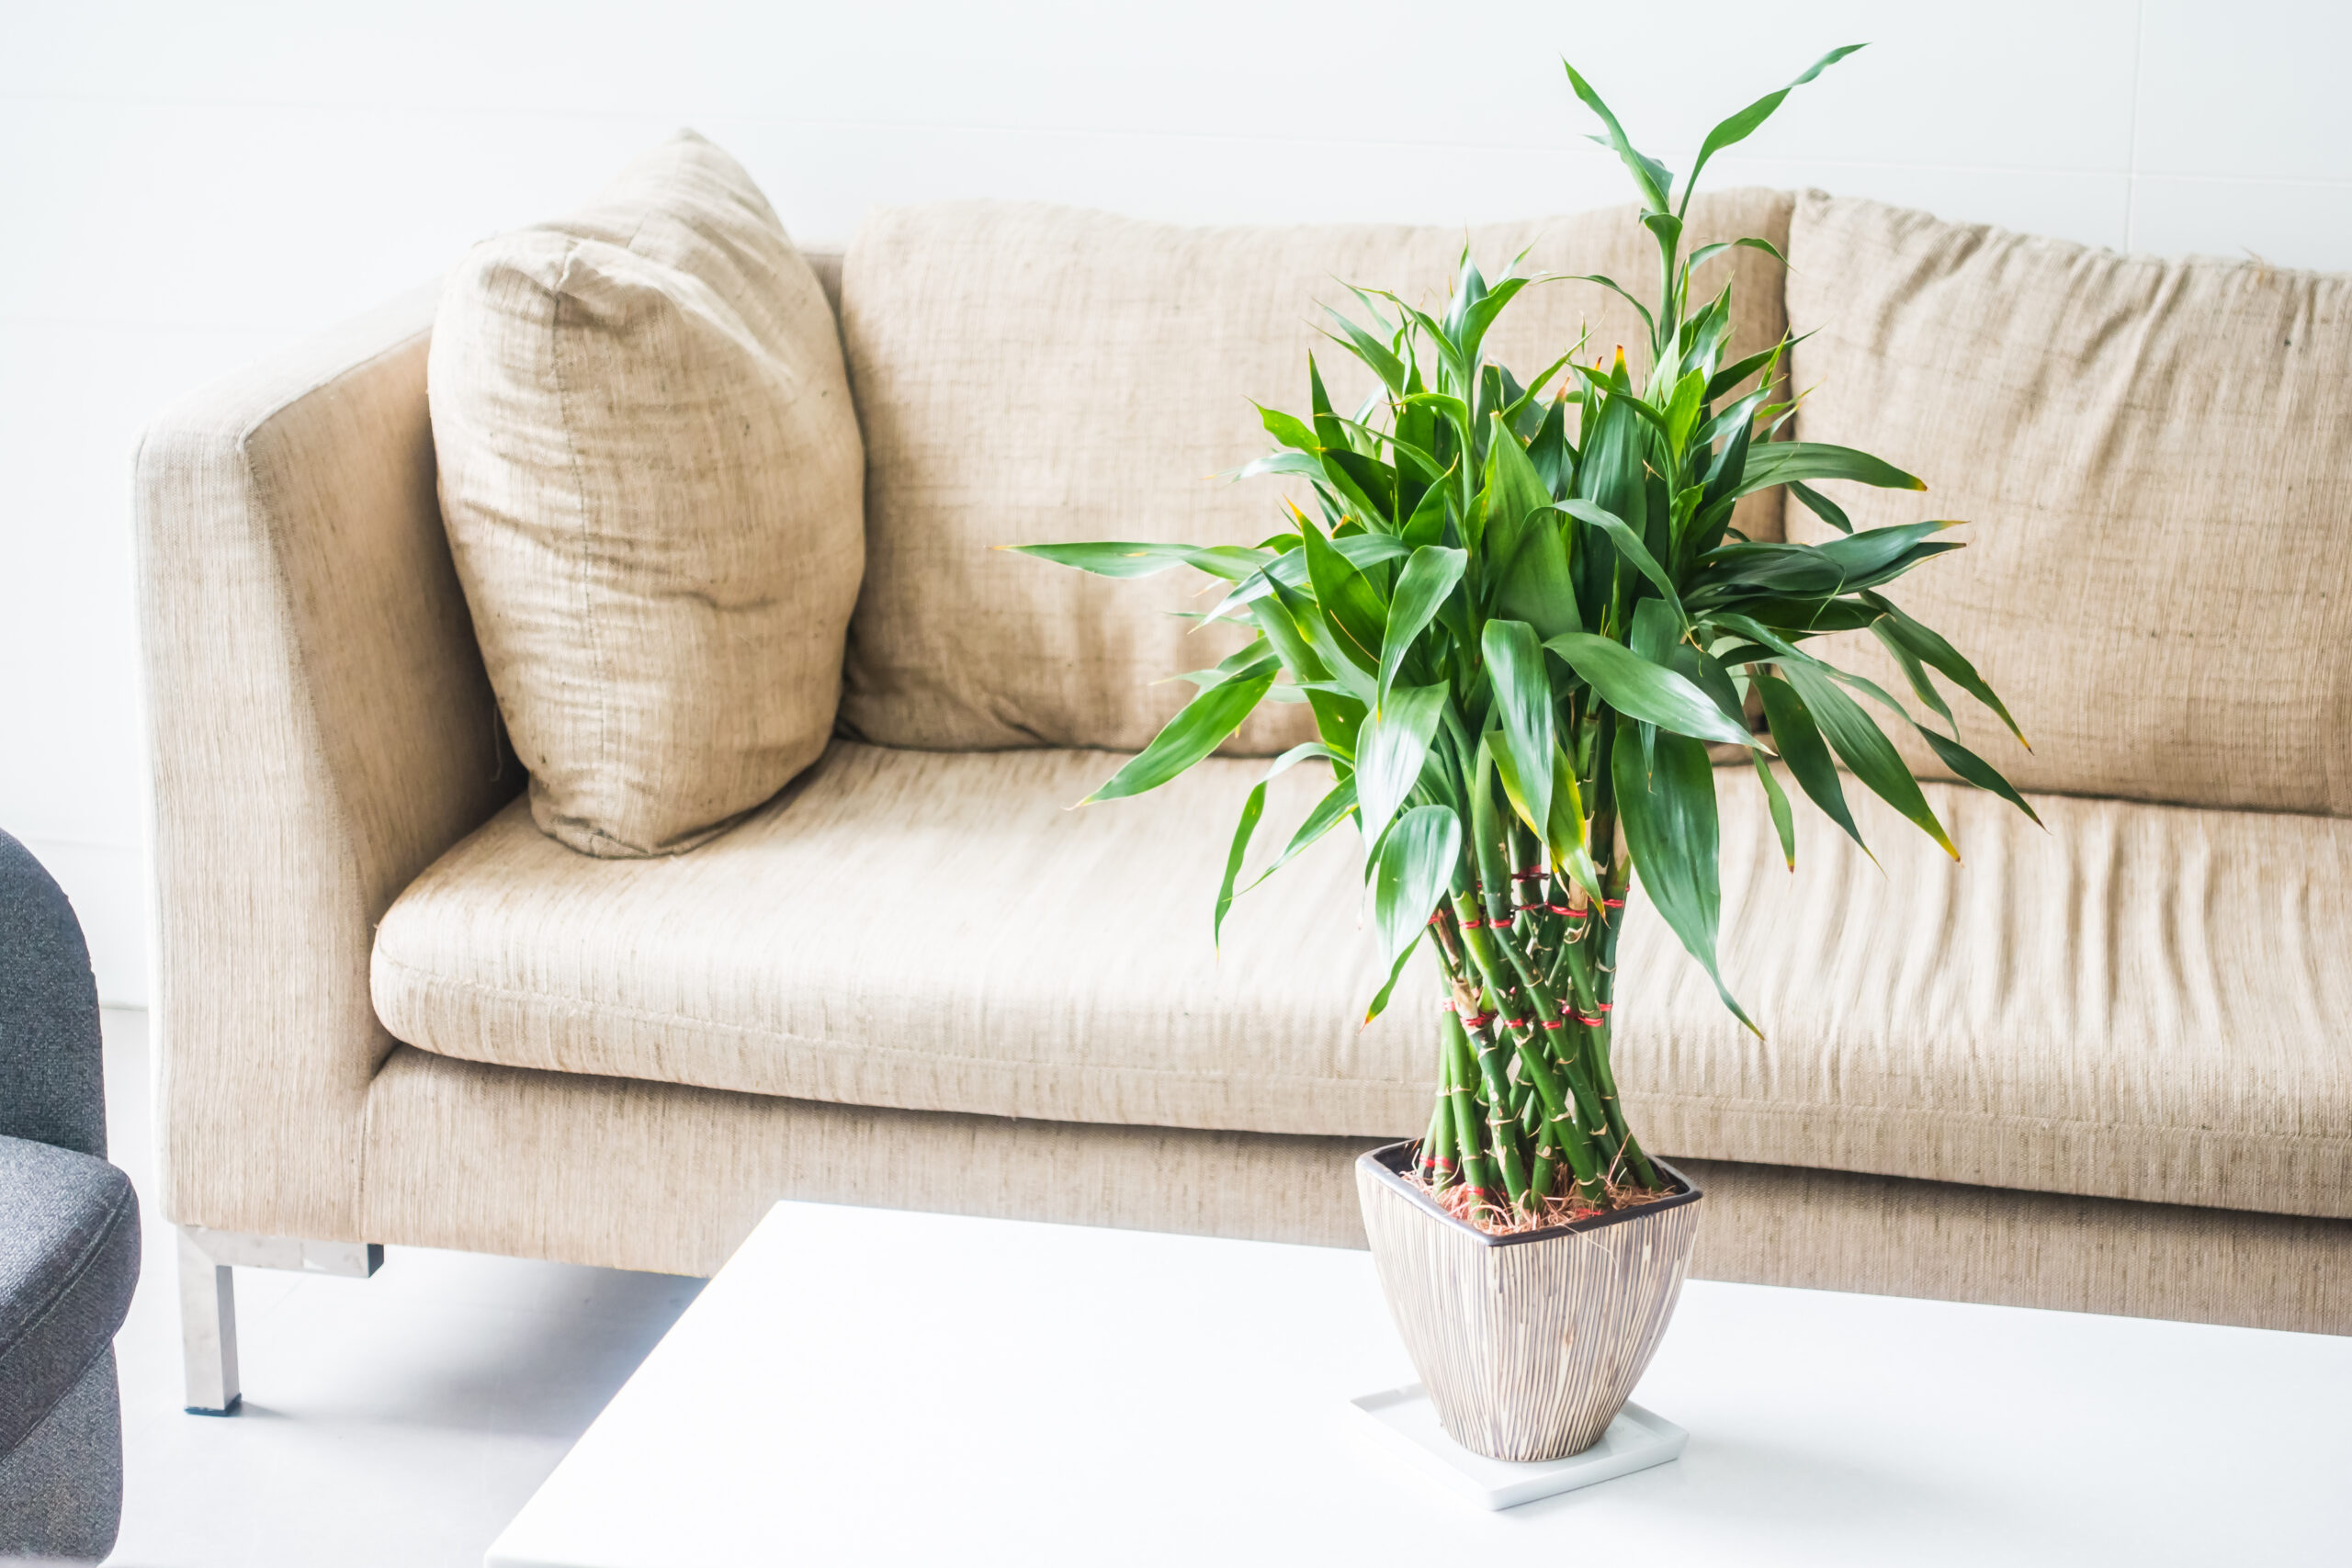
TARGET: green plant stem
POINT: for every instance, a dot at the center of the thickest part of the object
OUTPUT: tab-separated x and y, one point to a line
1436	1164
1628	1152
1459	1072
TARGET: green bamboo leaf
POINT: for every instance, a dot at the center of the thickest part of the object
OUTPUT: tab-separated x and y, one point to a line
1777	462
1739	370
1252	809
1288	430
1469	287
1821	507
1255	656
1394	744
1730	419
1741	126
1328	813
1748	241
1709	674
1775	798
1612	476
1368	486
1327	432
1978	771
1913	670
1199	729
1426	524
1515	492
1396	970
1947	658
1649	323
1682	408
1671	831
1349	603
1646	692
1629	545
1128	557
1338	720
1655	636
1653	416
1856	737
1564	837
1807	755
1306	463
1549	451
1523	690
1452	408
1346	675
1481	315
1421	587
1648	174
1529	568
1281	629
1416	866
1370	350
1840	566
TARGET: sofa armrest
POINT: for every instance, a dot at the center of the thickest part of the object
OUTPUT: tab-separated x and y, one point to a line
322	730
52	1086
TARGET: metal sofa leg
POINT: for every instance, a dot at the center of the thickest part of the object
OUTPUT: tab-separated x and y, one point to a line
207	1331
209	1299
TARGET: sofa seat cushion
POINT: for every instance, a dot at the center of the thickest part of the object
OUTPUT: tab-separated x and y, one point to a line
69	1257
2146	1001
933	932
2143	1002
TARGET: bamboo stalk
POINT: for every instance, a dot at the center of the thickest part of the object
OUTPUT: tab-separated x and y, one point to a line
1471	1159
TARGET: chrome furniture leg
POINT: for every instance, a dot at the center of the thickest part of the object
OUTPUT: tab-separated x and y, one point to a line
209	1299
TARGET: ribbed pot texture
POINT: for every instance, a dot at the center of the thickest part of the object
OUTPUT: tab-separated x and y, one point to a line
1528	1344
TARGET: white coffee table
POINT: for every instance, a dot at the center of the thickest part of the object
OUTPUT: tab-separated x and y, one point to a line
864	1386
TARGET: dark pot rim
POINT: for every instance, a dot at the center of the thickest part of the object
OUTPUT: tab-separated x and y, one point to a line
1390	1161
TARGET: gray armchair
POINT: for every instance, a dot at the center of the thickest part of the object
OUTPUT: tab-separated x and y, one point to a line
69	1234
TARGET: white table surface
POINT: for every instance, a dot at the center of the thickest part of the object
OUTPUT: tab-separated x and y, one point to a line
865	1386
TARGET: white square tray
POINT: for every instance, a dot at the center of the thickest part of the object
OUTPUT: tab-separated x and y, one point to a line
1406	1423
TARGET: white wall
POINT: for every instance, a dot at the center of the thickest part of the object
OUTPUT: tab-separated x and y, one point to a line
187	188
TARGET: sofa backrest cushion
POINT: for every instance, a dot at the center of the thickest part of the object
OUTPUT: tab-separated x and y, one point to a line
1030	374
2157	460
650	473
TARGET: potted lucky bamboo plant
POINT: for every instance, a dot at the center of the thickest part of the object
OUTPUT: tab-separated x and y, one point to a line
1521	620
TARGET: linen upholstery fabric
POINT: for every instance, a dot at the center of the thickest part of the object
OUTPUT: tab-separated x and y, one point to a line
2154	457
2138	1003
322	730
1031	374
651	472
61	1489
69	1257
937	932
2143	1002
638	1174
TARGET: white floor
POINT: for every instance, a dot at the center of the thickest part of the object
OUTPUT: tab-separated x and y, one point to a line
397	1420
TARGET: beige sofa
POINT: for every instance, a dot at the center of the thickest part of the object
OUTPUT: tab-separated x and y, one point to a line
2100	1068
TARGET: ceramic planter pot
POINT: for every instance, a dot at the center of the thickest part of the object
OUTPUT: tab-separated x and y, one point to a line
1528	1344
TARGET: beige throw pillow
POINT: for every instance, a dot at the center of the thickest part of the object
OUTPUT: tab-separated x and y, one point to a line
652	476
1035	374
2154	457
